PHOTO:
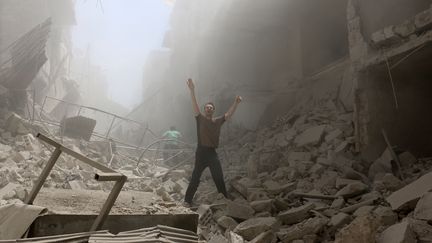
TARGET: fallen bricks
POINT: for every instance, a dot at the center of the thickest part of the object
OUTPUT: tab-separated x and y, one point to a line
308	179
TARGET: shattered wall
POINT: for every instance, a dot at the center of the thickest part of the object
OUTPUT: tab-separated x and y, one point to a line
379	14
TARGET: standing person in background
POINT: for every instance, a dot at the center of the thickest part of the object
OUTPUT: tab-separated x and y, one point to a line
172	144
208	132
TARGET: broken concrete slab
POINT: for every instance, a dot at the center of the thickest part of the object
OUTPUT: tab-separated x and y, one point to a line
408	195
352	190
339	220
308	227
311	136
262	205
240	211
251	228
398	233
361	229
295	215
421	228
227	222
423	209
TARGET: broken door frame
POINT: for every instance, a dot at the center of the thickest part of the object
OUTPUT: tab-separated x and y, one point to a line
107	174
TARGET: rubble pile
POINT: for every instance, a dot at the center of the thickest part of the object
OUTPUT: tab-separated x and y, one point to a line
305	183
23	157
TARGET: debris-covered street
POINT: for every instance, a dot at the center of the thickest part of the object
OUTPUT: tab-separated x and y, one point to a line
248	122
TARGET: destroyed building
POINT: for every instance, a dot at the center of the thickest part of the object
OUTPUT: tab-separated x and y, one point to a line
331	143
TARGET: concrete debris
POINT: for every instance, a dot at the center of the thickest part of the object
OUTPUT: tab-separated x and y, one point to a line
423	210
227	222
410	193
311	136
361	229
398	233
251	228
296	215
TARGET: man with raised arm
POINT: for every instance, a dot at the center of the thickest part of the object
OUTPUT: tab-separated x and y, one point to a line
208	131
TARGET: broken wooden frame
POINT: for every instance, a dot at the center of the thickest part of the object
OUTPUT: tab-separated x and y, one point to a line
107	174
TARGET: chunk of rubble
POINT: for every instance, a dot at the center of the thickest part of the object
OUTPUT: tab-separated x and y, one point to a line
227	222
385	215
352	190
423	209
398	233
296	215
240	211
311	226
409	194
339	220
311	136
361	229
264	237
251	228
262	205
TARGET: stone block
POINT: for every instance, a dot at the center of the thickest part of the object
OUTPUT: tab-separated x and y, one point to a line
338	203
262	205
251	228
227	222
311	136
308	227
385	215
361	229
410	193
296	215
339	220
352	190
239	210
398	233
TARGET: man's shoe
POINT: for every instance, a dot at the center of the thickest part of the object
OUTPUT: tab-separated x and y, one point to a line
187	204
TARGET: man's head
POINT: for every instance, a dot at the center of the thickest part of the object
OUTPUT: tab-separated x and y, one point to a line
209	109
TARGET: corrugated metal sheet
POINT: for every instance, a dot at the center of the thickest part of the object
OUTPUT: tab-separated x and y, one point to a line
157	234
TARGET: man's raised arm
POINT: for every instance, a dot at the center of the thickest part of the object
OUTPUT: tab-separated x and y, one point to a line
195	106
233	107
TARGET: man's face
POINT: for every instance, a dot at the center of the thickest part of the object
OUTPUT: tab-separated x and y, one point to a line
209	109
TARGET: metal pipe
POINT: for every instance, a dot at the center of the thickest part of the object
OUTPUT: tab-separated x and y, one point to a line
45	172
108	204
108	176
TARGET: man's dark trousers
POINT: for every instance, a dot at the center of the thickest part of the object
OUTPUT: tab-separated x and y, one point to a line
205	156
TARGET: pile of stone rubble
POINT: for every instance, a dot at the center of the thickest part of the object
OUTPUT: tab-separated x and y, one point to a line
23	157
300	181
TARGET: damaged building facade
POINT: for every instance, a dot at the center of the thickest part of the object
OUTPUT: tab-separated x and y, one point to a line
281	53
331	143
